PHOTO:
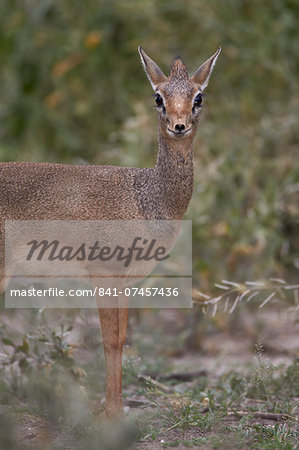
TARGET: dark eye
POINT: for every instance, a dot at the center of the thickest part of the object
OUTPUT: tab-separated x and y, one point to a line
159	100
198	100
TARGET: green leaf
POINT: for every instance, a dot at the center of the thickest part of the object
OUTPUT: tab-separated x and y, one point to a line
8	342
26	346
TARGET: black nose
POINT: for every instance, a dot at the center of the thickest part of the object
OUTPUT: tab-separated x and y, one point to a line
179	127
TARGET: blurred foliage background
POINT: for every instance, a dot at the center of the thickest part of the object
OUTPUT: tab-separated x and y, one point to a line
72	90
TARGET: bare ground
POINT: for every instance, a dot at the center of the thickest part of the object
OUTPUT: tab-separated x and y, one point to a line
221	352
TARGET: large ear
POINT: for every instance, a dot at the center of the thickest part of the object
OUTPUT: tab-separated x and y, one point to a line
203	73
154	73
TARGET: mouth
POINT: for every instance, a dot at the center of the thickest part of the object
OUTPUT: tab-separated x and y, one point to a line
178	134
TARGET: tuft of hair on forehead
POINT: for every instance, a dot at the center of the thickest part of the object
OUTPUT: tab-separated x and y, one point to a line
178	69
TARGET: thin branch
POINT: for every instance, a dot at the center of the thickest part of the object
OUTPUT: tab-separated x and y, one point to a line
267	300
262	415
248	291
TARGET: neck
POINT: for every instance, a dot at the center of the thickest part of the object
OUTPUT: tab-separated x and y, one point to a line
164	191
174	172
175	152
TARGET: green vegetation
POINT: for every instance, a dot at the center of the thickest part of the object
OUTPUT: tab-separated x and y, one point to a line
47	392
207	413
72	90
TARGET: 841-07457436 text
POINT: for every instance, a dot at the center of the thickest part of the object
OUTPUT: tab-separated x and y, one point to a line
143	292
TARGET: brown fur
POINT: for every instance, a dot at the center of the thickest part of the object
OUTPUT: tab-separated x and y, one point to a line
40	191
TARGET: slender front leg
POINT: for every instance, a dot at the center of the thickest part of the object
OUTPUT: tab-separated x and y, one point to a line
114	330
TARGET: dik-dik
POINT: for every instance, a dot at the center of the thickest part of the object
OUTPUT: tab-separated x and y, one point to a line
42	191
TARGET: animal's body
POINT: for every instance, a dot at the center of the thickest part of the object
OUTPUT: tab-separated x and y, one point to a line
41	191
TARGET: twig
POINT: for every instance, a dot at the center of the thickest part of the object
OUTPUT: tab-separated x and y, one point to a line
262	415
155	383
267	300
247	290
134	403
234	304
181	376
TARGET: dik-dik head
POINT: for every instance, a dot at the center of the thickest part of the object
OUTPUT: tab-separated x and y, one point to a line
178	97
